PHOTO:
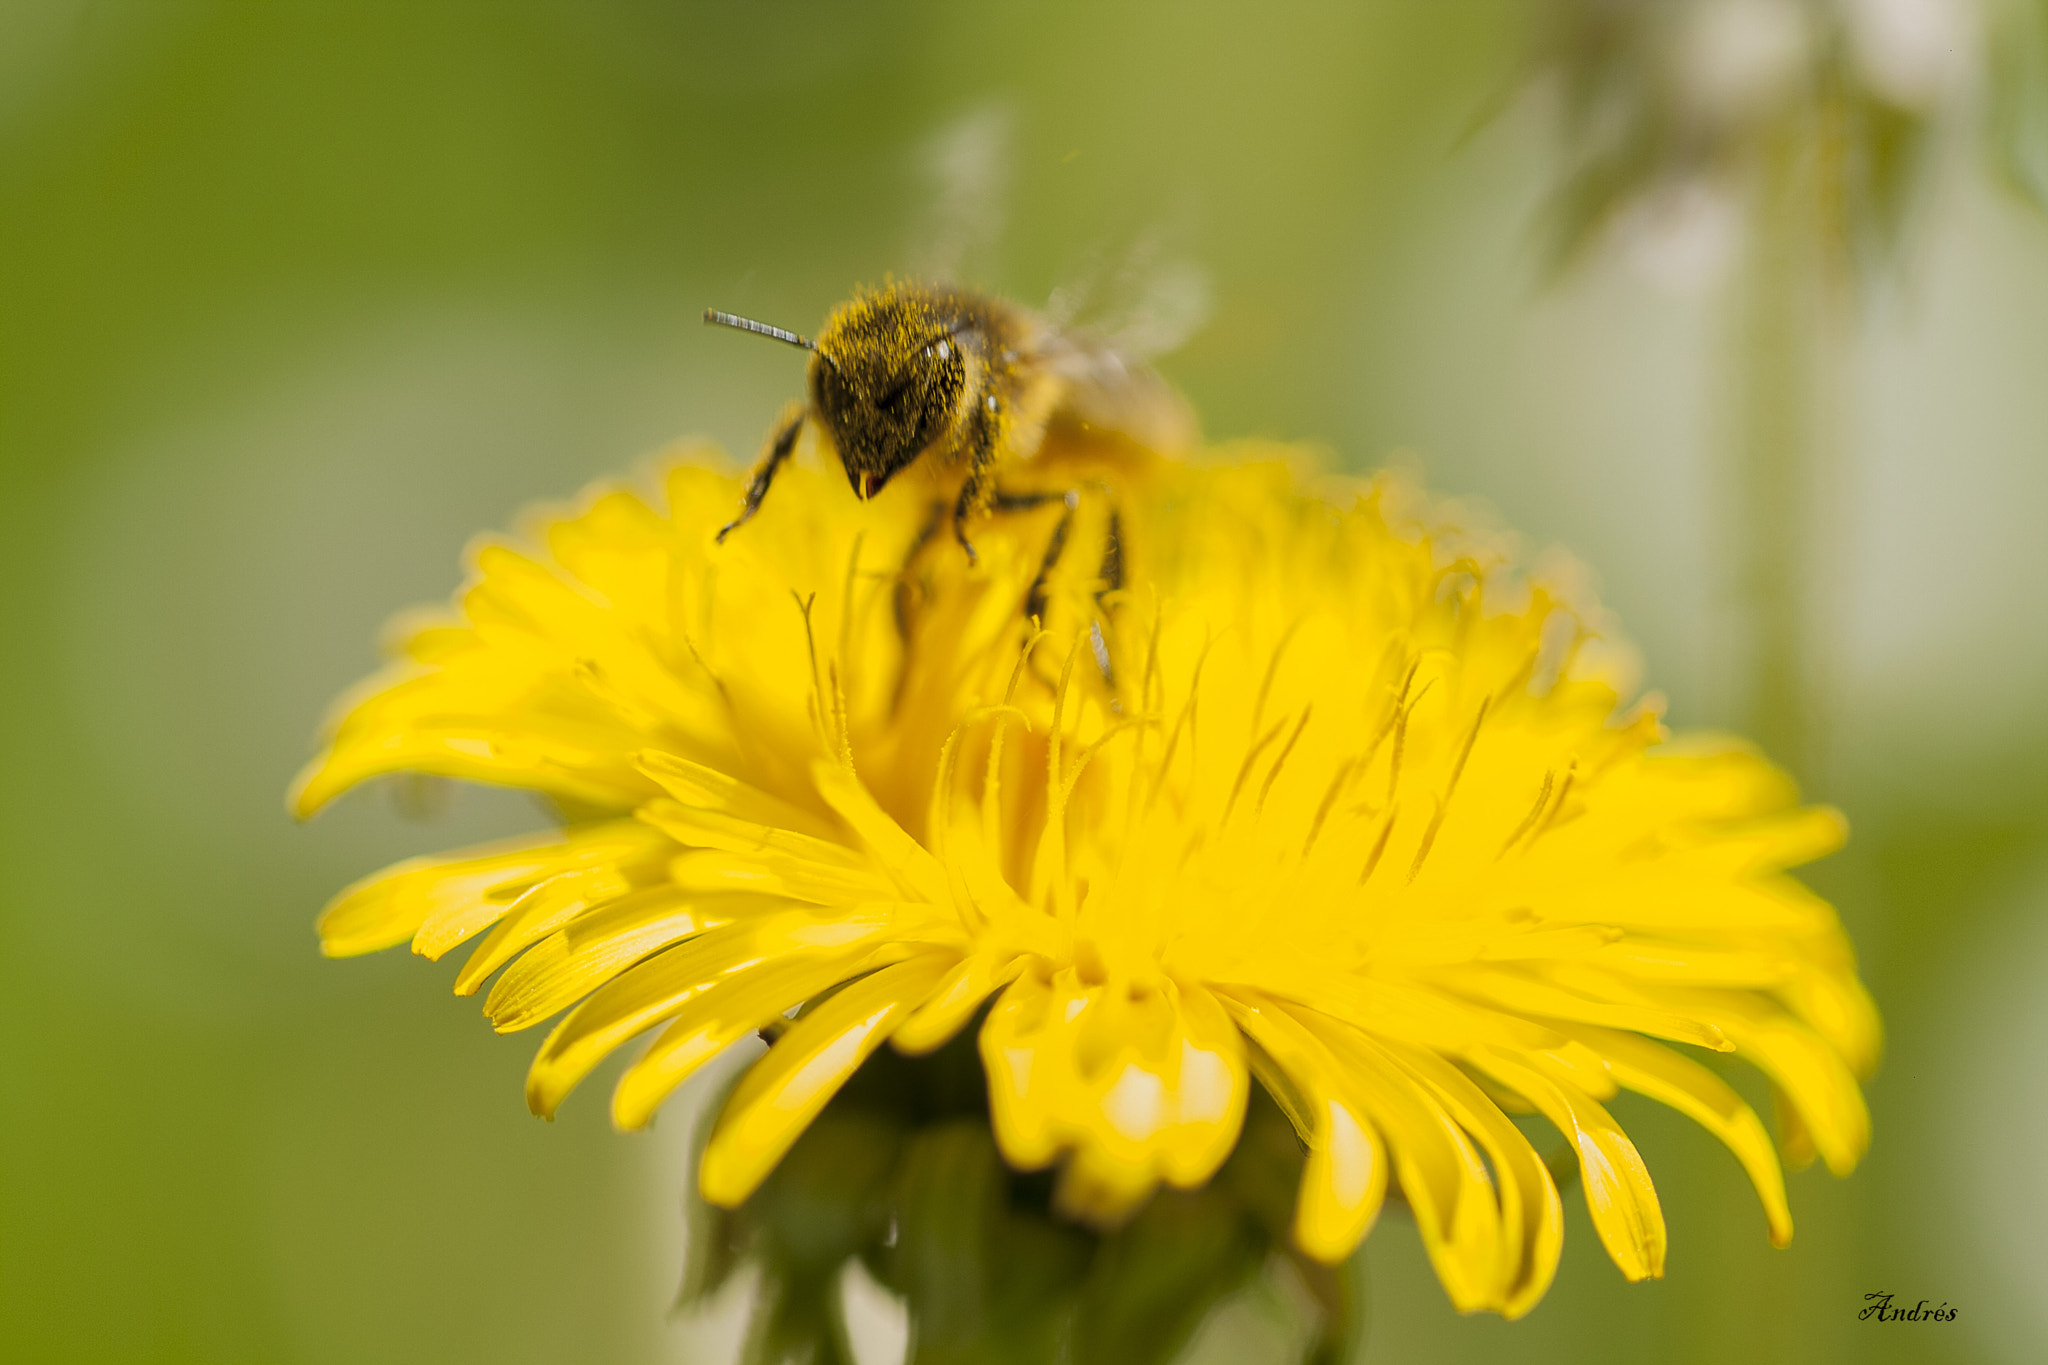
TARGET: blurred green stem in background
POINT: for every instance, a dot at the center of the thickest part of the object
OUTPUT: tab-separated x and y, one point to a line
1810	122
1787	338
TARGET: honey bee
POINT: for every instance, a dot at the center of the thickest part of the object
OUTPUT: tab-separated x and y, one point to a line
963	385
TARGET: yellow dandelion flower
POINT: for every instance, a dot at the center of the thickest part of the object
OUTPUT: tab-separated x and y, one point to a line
1327	796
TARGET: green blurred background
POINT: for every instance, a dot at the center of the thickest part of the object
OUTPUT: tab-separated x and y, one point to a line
294	298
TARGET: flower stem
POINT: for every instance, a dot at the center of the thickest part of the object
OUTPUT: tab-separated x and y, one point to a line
1787	352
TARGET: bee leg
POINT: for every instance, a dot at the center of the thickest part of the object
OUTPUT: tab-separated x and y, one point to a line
1055	545
764	474
1112	571
907	590
910	595
977	491
1005	501
1111	576
970	496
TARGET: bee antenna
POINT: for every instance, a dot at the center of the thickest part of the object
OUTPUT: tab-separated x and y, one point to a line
734	320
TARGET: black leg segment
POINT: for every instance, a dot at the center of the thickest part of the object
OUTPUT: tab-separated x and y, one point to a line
970	493
764	474
1055	545
1112	556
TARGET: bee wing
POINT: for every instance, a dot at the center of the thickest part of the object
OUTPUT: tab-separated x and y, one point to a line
1147	302
1104	326
966	168
1106	386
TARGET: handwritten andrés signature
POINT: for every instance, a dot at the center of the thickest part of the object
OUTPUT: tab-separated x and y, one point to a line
1878	1307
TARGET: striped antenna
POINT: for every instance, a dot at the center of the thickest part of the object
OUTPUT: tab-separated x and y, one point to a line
738	323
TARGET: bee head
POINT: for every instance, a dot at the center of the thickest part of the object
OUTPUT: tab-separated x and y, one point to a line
887	380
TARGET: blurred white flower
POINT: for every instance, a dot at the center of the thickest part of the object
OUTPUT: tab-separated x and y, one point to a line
1682	235
1913	52
1736	59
